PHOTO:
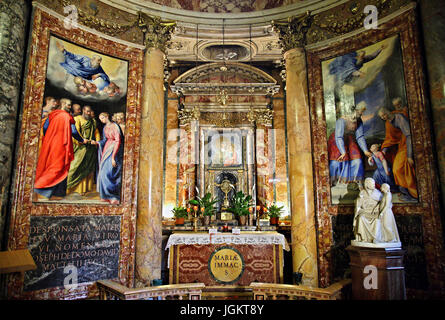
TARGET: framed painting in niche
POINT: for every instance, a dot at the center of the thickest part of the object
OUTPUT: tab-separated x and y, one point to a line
367	122
80	225
224	148
92	87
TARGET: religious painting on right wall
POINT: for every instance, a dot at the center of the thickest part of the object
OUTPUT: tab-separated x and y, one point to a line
367	122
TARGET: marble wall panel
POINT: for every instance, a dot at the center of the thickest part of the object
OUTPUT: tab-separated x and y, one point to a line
171	160
281	176
433	27
13	23
428	207
45	24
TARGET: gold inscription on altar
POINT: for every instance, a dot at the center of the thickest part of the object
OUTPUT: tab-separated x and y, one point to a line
226	265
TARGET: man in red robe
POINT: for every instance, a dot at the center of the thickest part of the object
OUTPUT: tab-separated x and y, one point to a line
56	152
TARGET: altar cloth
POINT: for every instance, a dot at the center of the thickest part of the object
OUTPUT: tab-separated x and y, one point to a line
253	238
225	258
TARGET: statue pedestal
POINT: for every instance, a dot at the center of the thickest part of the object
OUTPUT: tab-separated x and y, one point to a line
377	273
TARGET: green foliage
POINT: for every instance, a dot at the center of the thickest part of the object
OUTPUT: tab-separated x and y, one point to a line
179	212
206	202
240	204
274	211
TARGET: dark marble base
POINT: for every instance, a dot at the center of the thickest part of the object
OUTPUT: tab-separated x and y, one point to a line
73	250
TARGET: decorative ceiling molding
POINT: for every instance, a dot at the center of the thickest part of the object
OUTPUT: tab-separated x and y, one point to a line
106	35
262	17
118	18
383	20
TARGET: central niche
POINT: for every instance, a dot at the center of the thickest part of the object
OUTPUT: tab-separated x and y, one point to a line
220	137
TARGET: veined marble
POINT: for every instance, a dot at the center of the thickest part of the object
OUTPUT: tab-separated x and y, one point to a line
13	15
304	244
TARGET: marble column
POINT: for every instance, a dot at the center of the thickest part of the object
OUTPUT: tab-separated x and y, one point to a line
433	25
13	21
304	245
149	218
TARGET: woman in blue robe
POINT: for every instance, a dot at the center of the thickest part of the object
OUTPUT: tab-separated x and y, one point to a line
345	147
110	152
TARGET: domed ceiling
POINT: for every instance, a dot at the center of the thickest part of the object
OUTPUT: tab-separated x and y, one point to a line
224	6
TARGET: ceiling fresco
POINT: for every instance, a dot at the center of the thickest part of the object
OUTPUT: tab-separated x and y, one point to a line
224	6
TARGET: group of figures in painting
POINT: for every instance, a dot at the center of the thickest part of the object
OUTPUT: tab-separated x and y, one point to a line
372	128
79	154
74	156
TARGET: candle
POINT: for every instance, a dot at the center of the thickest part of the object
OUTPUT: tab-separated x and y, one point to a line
202	210
250	209
258	208
188	210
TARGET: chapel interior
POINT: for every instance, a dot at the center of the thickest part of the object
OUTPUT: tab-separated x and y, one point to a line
226	114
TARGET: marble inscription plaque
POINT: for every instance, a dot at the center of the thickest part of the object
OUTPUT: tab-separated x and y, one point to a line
70	250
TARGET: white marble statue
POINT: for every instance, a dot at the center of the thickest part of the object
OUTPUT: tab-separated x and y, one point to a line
388	223
374	224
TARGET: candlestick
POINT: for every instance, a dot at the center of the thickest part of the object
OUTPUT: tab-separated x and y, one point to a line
188	212
258	209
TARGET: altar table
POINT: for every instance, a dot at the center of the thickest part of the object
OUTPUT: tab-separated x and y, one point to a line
226	258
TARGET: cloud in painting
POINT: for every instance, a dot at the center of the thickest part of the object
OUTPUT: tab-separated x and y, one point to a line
88	90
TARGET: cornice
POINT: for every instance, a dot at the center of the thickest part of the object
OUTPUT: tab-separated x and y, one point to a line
262	17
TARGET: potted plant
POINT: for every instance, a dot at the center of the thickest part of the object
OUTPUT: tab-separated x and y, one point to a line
207	205
240	206
274	213
180	213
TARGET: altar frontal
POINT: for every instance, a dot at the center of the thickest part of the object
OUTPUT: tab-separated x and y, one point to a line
226	259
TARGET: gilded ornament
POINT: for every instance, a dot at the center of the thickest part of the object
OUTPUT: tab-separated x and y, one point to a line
292	32
185	116
91	21
157	33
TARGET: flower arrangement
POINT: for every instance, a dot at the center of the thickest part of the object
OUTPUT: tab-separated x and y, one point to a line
206	203
240	204
274	211
180	212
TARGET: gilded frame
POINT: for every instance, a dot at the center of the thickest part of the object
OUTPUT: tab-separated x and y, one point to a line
404	25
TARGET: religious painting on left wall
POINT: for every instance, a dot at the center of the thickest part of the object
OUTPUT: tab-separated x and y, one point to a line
81	141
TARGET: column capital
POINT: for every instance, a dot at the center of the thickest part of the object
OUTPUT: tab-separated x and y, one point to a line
292	31
260	117
186	116
157	33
